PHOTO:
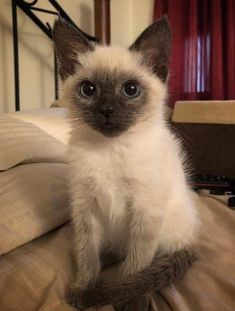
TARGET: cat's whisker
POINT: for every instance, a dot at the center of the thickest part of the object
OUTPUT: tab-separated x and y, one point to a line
182	136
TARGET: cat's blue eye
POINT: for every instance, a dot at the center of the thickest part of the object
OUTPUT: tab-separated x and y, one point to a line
87	89
131	89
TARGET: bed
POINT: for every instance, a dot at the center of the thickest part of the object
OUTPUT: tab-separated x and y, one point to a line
36	253
37	262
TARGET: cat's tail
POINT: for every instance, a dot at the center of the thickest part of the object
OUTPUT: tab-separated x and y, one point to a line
164	270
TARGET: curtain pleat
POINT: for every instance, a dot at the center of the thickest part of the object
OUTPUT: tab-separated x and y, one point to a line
202	64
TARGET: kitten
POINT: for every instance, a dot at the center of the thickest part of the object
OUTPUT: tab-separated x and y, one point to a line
129	192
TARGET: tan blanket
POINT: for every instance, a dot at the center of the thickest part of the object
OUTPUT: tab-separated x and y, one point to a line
35	276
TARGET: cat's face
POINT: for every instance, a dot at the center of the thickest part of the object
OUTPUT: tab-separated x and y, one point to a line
108	89
111	91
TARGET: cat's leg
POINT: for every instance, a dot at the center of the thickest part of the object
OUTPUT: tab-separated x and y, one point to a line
87	248
142	239
180	225
87	235
87	238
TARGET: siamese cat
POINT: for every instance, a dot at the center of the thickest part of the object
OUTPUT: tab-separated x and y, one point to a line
128	185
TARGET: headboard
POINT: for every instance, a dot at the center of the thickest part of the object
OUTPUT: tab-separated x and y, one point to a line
102	31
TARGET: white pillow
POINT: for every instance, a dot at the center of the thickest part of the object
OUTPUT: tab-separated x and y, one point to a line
33	200
53	121
24	142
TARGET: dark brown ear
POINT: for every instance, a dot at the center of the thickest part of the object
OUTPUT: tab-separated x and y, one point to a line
69	41
154	43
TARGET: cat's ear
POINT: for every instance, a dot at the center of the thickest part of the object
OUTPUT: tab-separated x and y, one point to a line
69	42
155	43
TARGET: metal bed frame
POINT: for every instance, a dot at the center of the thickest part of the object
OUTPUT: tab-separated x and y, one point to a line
102	7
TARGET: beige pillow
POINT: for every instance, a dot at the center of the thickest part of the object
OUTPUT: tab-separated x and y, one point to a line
33	200
24	142
52	121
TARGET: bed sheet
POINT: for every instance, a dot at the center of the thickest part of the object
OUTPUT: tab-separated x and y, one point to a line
36	275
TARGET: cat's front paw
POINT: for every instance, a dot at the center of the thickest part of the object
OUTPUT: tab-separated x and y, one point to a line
74	296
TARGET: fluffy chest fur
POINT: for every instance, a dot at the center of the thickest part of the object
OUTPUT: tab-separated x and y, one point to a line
112	171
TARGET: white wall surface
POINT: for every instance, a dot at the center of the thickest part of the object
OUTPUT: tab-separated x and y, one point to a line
128	19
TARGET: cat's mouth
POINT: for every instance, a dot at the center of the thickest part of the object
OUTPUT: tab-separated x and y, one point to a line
108	125
110	129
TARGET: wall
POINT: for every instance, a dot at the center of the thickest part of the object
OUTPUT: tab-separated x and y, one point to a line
128	18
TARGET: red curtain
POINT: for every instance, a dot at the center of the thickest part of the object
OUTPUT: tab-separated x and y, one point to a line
202	64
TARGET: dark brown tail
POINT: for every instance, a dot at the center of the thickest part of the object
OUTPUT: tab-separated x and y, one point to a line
164	270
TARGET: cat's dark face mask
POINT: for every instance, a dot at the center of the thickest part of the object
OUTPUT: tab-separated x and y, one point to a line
110	104
107	102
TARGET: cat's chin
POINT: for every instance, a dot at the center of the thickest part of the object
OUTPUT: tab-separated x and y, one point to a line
109	130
